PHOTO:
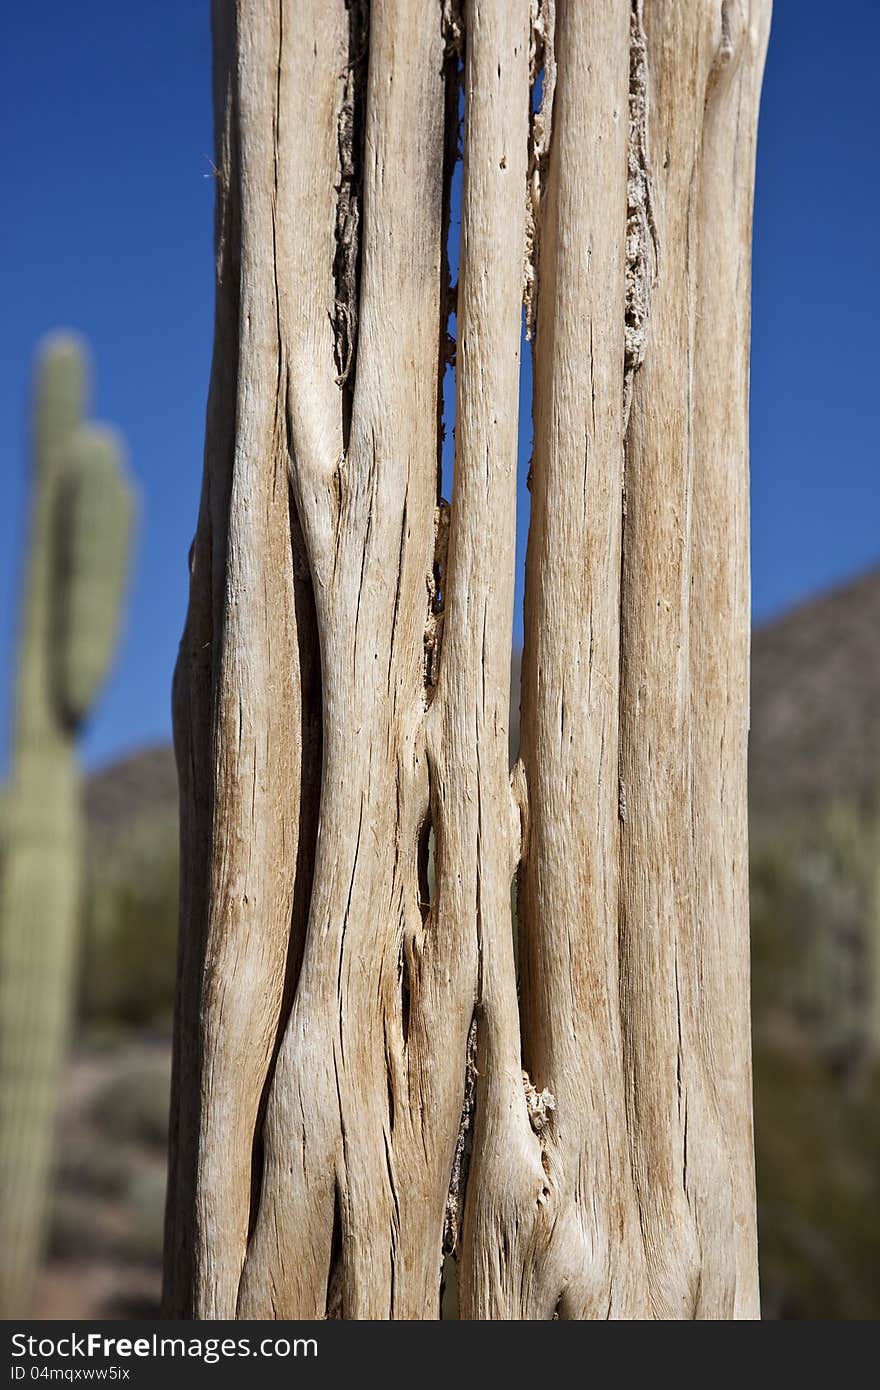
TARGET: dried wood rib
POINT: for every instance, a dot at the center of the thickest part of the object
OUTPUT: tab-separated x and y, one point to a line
364	1105
683	919
343	681
545	1226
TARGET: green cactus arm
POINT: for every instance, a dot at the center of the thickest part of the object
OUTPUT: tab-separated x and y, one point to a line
81	518
95	506
63	373
59	399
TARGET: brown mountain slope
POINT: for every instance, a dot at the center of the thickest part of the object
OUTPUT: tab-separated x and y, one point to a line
143	783
816	699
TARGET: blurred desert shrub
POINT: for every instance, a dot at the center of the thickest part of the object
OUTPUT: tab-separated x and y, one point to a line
815	924
129	927
108	1209
132	1107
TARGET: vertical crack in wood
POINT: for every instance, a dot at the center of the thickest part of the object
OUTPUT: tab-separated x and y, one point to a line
642	244
333	1302
349	192
542	69
453	32
455	1198
436	584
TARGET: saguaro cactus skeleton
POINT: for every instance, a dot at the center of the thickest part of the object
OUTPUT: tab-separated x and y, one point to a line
346	1032
76	571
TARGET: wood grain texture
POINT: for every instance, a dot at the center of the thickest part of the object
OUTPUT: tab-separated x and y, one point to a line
547	1229
362	1083
683	914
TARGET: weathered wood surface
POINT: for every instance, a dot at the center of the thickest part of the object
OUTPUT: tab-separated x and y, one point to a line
350	1029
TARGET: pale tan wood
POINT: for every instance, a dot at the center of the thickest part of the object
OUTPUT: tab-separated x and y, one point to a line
346	1033
720	620
545	1230
684	625
480	824
365	1102
241	777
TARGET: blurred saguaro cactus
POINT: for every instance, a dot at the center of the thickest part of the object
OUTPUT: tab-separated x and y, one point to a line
80	528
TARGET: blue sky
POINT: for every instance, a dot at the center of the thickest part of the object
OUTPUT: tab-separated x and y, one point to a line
107	228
